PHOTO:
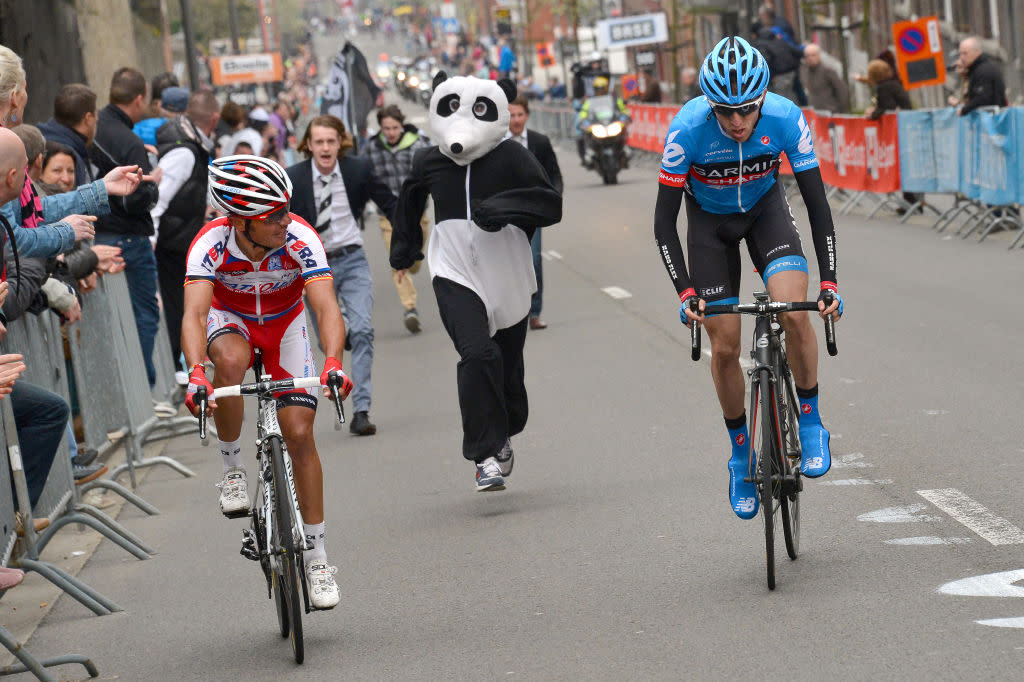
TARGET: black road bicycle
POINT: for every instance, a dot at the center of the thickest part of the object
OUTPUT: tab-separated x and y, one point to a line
774	428
275	537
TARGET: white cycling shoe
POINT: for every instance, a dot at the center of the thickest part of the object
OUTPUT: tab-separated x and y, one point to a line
323	591
234	493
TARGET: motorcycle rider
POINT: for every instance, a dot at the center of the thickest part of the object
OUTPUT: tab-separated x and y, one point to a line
600	85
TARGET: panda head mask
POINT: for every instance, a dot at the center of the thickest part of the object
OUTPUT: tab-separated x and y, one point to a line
469	116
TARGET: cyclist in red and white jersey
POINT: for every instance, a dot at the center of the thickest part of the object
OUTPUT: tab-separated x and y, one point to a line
244	281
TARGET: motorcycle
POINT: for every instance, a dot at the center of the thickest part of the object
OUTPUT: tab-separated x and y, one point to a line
605	141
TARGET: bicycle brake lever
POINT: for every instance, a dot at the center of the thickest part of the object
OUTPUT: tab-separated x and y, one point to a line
332	384
830	327
694	333
203	403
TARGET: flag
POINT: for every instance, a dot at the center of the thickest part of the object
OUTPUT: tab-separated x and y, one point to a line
351	92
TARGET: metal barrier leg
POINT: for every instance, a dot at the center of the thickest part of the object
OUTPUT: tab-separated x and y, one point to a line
946	218
66	583
975	222
69	659
151	461
134	459
77	517
885	202
992	226
851	203
1014	244
29	663
114	526
123	492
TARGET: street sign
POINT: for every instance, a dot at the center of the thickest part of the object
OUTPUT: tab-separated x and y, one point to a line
246	68
919	58
503	21
545	55
640	29
645	58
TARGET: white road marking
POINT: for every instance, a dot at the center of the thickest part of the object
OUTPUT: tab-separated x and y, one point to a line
935	413
928	540
617	292
847	380
1003	623
996	530
545	255
745	363
854	460
990	585
910	514
554	254
858	481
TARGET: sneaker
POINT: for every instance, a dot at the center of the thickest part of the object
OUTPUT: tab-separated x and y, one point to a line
488	475
816	458
323	591
181	378
85	456
234	493
361	424
84	474
162	408
506	458
412	321
742	494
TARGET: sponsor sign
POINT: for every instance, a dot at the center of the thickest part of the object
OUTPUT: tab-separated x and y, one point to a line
919	59
246	68
650	125
640	29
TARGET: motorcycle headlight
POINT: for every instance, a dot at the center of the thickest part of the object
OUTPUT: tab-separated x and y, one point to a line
598	130
424	85
614	129
400	75
414	82
383	72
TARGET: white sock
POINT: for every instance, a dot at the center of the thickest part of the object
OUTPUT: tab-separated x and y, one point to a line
314	534
231	454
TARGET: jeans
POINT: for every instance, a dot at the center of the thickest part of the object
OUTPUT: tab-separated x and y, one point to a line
41	418
141	274
354	286
170	267
538	298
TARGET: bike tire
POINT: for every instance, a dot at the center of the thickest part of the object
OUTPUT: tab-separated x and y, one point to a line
765	449
290	563
790	505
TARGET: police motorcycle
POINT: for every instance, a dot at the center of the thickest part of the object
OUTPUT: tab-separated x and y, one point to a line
604	139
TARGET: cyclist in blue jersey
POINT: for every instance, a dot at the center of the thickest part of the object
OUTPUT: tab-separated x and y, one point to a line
722	155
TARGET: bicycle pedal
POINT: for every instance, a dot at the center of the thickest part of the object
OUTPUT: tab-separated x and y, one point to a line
237	515
249	550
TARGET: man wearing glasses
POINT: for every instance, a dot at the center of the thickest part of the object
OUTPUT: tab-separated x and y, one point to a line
722	153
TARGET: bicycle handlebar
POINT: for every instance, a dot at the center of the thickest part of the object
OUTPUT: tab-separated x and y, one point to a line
762	308
333	383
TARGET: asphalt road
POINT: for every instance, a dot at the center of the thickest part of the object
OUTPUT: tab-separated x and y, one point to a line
614	554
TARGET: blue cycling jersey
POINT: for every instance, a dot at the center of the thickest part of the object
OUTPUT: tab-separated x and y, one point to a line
726	176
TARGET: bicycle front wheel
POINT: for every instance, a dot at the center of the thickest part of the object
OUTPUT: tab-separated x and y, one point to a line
790	503
287	577
766	445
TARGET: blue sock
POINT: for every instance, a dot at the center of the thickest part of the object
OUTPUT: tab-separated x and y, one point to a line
808	406
740	446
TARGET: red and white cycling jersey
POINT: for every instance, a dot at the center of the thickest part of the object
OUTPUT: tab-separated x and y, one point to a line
256	291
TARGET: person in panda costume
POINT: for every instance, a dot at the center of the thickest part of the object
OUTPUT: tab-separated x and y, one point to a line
489	197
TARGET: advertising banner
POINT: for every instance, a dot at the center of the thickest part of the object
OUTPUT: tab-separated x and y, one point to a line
650	125
997	176
246	68
946	148
917	152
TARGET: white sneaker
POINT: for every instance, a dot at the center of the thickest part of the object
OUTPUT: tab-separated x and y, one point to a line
323	591
488	475
181	378
506	458
162	408
234	493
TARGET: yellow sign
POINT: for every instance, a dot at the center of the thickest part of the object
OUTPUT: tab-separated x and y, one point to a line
402	10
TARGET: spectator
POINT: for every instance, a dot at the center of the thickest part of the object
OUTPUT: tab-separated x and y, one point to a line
390	154
540	146
281	119
769	18
886	56
74	126
651	93
232	119
58	168
826	90
35	146
253	134
985	85
691	88
889	94
330	192
506	59
557	89
783	61
147	127
129	224
185	145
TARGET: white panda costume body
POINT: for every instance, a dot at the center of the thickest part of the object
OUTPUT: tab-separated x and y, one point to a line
489	197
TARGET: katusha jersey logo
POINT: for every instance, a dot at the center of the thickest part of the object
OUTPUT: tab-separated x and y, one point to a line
805	408
274	263
741	439
674	153
765	139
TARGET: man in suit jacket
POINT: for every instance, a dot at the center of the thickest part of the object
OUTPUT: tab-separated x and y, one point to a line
540	145
329	191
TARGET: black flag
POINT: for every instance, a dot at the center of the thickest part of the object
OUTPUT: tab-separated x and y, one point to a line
351	91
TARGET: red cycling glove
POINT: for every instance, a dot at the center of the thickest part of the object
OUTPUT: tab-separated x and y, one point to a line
333	364
196	379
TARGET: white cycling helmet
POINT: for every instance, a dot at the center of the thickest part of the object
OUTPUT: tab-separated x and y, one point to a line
249	186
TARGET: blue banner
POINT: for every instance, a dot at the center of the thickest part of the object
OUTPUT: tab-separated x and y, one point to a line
946	148
1018	128
997	177
917	152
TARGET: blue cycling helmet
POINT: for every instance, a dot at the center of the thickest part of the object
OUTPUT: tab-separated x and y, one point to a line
734	72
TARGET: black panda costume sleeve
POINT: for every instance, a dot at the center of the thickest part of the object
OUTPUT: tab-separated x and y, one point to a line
407	236
531	201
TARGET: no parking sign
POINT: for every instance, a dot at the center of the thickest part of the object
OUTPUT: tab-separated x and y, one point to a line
919	57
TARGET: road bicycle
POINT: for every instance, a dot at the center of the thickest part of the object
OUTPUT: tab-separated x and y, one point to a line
774	428
276	538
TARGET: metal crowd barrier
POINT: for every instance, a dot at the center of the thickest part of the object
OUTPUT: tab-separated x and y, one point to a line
108	364
557	121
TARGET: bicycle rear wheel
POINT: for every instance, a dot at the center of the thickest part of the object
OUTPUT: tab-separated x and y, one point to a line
766	443
288	588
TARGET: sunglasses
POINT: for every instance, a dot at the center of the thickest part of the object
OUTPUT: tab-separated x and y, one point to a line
744	109
278	215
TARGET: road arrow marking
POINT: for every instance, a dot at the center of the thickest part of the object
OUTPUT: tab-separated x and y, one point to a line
617	292
1003	622
858	481
928	540
996	530
991	585
851	461
910	514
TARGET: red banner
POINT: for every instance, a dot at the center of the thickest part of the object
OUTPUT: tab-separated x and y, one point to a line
650	125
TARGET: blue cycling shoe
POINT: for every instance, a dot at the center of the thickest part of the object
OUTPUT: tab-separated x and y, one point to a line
816	458
742	494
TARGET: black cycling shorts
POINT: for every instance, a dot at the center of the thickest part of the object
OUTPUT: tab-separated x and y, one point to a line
713	244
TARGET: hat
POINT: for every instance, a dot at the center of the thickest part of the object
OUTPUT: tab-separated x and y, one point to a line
174	99
259	115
